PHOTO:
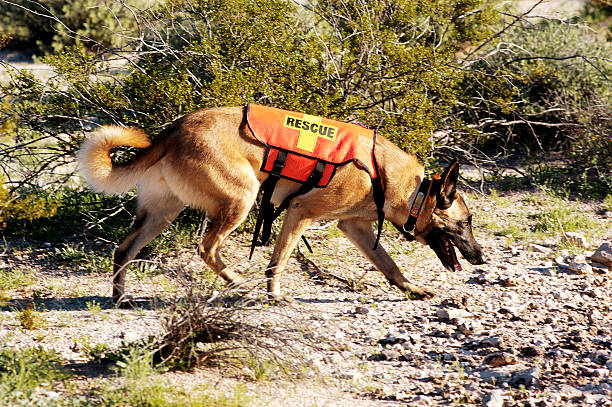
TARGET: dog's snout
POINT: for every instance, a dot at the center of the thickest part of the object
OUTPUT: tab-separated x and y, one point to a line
477	257
482	259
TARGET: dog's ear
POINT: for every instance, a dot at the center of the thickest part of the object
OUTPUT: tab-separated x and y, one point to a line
448	189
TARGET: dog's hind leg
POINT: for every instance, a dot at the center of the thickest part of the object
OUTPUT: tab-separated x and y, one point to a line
155	212
294	225
220	225
360	233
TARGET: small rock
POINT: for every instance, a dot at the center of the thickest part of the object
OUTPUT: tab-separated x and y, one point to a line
601	372
509	282
531	351
354	376
600	357
569	391
493	399
422	401
539	249
492	341
500	359
552	272
526	378
580	268
599	268
493	376
332	359
391	354
361	310
578	258
390	339
452	314
468	328
603	254
576	239
369	340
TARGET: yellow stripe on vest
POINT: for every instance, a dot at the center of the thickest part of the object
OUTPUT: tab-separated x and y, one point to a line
311	129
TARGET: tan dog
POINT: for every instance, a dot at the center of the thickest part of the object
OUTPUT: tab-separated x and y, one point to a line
211	161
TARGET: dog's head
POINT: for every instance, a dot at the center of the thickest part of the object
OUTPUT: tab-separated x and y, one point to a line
445	222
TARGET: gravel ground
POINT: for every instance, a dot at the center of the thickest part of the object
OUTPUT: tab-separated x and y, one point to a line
523	329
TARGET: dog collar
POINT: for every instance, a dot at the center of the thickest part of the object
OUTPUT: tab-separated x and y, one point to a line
415	210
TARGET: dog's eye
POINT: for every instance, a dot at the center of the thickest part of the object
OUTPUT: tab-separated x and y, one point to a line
465	223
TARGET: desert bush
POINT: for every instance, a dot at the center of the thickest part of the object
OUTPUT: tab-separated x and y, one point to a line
207	328
599	13
46	26
545	87
24	207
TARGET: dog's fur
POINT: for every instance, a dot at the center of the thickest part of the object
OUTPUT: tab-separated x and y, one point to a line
210	160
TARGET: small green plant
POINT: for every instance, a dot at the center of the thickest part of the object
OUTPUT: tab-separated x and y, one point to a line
136	364
99	352
12	279
70	254
78	256
608	202
155	392
23	371
4	298
562	218
93	307
261	369
30	318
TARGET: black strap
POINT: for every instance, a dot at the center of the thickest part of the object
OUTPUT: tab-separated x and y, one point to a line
379	200
417	204
312	181
407	235
415	210
266	209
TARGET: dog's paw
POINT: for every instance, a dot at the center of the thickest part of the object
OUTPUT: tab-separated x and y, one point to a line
126	304
280	300
418	293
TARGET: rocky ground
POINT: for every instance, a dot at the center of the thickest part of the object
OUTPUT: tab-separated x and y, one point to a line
531	327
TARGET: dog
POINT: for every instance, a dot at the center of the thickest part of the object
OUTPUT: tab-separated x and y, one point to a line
210	160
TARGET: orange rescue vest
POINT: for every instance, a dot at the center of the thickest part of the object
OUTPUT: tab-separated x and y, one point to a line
310	139
308	149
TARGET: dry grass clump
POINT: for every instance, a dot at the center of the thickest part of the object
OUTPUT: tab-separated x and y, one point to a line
206	328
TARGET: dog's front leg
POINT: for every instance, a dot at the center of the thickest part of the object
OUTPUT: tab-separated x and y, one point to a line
361	234
294	225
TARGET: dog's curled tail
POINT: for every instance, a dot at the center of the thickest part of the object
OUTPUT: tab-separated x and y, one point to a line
95	162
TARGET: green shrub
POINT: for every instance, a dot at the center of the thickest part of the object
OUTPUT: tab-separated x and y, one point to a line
14	279
23	371
24	207
547	89
76	213
51	25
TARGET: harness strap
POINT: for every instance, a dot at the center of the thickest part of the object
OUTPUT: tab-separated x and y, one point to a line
379	200
266	209
313	179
